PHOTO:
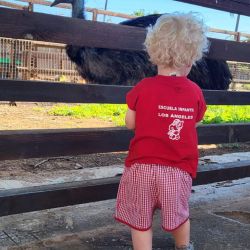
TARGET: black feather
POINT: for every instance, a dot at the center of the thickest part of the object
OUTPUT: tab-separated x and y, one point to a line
120	67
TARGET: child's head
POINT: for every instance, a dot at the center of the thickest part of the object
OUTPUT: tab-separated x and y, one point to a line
176	41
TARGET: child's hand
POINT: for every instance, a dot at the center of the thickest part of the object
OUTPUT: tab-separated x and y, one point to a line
198	124
130	119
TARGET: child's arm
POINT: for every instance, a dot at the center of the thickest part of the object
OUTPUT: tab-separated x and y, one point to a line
130	119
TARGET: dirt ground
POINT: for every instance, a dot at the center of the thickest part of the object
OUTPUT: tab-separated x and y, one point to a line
31	116
35	116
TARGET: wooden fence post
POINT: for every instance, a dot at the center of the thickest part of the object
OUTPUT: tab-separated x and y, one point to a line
95	13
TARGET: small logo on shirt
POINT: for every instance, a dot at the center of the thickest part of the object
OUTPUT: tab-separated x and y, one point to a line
175	129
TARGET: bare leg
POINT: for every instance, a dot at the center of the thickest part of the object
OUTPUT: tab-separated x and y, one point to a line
142	240
182	235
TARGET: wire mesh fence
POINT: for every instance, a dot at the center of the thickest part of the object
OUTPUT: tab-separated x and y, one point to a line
240	71
33	60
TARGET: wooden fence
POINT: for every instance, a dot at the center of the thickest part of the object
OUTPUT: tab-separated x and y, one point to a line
95	12
52	64
44	143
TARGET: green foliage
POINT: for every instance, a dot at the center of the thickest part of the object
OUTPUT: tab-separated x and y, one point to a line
116	113
227	114
141	12
39	109
246	86
108	112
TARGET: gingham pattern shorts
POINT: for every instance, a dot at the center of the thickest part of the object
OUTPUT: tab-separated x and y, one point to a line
145	187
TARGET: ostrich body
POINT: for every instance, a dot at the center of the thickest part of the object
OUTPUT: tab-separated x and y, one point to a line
121	67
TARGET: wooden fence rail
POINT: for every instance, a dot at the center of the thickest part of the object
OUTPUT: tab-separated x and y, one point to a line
28	91
65	194
95	12
12	5
239	7
22	144
96	34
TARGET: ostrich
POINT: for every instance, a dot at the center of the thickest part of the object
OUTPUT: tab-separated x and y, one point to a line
121	67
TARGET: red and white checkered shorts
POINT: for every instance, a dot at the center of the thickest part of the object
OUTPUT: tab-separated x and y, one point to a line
145	187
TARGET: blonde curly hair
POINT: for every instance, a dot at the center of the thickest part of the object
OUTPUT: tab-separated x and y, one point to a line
176	40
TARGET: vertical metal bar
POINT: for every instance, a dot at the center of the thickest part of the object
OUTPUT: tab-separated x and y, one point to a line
237	23
105	8
237	36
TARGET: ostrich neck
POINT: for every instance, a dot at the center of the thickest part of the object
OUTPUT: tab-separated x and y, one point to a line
78	9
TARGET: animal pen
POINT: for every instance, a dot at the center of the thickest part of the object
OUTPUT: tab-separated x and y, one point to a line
22	144
45	61
33	60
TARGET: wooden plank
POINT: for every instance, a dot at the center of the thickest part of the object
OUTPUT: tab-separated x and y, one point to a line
57	92
116	14
28	91
223	133
240	6
211	173
68	6
219	97
122	15
48	143
228	32
45	3
12	5
229	50
22	144
28	199
40	71
51	28
51	196
241	81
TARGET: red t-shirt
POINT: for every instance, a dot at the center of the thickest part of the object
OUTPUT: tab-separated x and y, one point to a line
167	110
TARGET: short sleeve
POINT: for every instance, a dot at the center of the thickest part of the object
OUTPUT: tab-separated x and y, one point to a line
132	97
202	107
